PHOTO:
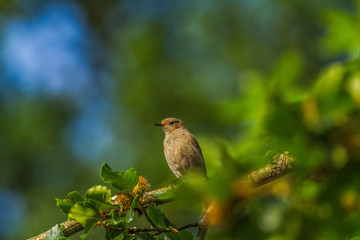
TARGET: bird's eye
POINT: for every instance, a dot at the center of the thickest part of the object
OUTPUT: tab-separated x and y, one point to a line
172	122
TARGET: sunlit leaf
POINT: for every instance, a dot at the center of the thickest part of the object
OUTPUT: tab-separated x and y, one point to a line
86	214
124	181
64	205
98	194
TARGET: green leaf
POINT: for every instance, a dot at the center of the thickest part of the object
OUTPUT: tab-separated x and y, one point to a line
134	202
129	216
84	211
114	235
159	219
86	214
88	227
121	220
119	237
157	216
75	197
105	206
98	195
124	181
170	193
66	204
148	236
117	219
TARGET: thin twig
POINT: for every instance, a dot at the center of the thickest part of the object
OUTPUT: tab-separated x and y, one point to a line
191	225
159	230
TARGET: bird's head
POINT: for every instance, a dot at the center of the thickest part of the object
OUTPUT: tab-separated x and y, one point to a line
171	124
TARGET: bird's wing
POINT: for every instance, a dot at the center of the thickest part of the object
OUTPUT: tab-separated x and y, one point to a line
198	158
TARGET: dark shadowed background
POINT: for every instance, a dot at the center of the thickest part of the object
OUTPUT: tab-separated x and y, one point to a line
83	82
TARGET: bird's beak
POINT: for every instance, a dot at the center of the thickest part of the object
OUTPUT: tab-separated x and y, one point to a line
159	124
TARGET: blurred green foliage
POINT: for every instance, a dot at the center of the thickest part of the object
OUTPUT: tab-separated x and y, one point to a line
246	77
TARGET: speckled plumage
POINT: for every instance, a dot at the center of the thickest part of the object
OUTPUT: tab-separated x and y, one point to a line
181	149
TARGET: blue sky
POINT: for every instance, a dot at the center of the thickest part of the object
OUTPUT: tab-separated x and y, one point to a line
46	53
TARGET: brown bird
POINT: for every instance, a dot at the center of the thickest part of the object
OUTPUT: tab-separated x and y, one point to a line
181	149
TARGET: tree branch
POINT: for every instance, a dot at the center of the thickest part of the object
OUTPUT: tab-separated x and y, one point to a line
280	165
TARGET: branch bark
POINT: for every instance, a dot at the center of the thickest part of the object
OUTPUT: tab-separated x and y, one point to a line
281	164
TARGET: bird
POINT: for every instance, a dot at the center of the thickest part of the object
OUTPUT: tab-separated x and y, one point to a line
181	149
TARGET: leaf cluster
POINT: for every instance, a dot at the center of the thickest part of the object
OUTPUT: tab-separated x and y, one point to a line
114	214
